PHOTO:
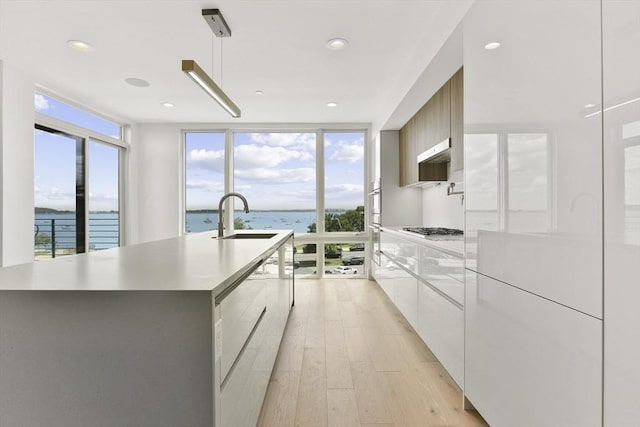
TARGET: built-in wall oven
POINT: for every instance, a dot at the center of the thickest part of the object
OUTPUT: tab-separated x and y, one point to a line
375	209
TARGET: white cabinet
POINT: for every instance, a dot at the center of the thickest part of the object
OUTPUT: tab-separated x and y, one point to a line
240	312
426	285
441	327
530	361
401	288
406	296
621	38
243	389
444	271
533	154
534	212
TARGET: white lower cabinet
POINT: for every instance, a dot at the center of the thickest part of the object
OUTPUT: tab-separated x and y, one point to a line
441	327
243	389
384	275
406	297
530	361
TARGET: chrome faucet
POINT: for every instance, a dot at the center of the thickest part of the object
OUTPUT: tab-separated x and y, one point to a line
221	210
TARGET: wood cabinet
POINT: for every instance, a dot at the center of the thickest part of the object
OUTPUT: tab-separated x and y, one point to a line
440	118
408	153
457	120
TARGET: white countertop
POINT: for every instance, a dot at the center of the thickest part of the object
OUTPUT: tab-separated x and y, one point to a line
195	262
454	247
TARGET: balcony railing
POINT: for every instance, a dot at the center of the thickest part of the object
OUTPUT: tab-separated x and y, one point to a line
57	236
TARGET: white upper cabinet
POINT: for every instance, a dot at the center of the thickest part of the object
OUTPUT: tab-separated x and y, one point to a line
533	156
621	43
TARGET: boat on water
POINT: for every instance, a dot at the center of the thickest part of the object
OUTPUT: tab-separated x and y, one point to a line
207	221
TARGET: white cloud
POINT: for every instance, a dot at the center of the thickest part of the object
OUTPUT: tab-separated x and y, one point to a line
348	153
56	198
256	156
340	190
277	176
207	159
304	141
40	102
200	184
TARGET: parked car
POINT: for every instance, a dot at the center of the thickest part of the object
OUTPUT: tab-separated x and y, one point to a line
357	247
356	260
344	270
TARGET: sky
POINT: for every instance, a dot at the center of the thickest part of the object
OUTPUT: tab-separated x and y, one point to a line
55	157
276	170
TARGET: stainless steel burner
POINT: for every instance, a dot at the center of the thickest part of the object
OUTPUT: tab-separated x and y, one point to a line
436	233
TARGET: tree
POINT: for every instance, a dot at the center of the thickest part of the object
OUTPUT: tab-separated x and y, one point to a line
350	220
42	239
238	224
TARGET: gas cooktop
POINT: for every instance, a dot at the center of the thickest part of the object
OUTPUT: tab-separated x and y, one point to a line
436	233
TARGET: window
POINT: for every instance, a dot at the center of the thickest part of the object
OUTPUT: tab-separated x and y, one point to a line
104	196
344	178
77	180
52	107
291	179
204	179
59	193
276	172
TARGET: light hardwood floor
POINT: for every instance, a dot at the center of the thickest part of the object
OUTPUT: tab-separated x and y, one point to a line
349	358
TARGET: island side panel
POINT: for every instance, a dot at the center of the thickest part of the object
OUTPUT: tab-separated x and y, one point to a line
106	359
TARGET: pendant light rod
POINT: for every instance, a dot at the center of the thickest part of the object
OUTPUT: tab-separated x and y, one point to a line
202	79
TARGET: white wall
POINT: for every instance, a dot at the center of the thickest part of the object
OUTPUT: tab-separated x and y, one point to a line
155	193
440	210
16	160
400	206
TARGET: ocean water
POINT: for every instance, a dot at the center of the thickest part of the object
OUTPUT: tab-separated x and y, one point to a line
103	227
298	221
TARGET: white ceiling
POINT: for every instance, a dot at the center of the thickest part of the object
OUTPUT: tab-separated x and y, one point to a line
276	46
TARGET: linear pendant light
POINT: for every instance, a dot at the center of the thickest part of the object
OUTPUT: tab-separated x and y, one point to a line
201	78
219	26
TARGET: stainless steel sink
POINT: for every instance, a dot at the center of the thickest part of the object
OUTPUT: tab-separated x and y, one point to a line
250	236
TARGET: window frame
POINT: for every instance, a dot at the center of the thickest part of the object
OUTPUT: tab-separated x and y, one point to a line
88	135
320	237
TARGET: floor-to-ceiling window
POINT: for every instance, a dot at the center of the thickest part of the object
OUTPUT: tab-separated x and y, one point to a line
204	178
344	210
310	181
77	157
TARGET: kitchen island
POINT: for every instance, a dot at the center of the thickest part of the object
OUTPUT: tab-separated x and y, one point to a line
177	332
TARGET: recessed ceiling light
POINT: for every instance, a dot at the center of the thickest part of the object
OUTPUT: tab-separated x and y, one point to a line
259	92
332	104
589	105
79	45
168	104
492	45
137	82
337	44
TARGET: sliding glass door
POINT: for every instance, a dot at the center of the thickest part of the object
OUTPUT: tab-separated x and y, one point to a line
59	193
76	194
